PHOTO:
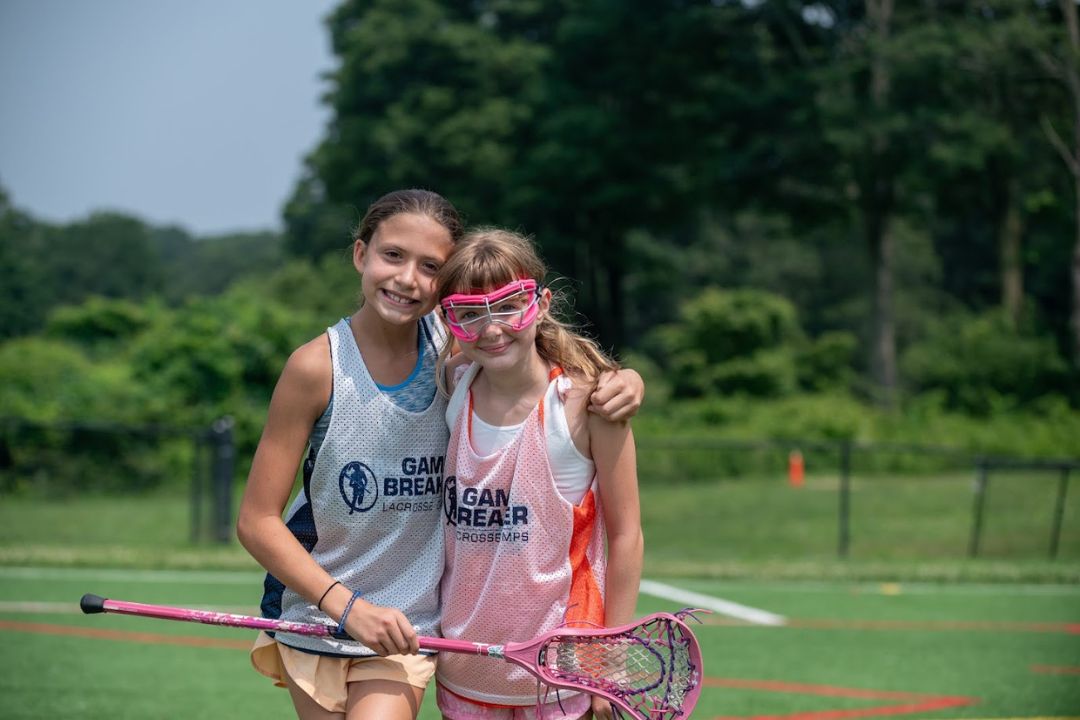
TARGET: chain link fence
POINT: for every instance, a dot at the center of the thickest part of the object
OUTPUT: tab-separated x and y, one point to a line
64	459
880	499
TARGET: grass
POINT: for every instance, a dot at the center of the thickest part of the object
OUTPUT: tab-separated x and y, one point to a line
125	531
915	528
850	646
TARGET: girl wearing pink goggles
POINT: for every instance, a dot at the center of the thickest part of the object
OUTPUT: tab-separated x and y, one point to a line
558	539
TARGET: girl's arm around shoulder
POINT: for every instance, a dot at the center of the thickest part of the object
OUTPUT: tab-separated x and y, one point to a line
618	395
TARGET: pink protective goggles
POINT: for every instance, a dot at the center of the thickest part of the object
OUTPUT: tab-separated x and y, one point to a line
514	305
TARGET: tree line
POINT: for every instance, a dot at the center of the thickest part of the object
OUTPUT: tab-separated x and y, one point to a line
858	200
881	164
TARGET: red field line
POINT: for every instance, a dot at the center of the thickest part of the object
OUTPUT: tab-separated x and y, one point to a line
925	625
1055	669
124	635
917	702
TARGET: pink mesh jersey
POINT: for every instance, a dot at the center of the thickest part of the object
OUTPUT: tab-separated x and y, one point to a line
520	559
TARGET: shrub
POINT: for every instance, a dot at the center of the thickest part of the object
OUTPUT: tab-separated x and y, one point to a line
730	341
982	364
825	363
99	321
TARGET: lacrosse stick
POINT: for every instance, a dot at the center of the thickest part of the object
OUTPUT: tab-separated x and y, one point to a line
651	669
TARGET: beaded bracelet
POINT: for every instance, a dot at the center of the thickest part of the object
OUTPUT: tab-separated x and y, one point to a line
327	592
345	615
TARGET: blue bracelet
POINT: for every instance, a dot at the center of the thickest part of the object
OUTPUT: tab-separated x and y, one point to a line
340	632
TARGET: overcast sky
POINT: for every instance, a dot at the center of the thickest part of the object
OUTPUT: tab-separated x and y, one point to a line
194	112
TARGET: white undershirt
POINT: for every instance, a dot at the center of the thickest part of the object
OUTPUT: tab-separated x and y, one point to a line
572	471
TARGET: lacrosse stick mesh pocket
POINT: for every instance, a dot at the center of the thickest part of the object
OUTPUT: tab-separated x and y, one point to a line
649	667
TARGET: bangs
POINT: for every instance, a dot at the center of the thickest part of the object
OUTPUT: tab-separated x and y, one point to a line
483	263
486	274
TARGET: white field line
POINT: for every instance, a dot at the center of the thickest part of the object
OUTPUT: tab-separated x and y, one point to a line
38	608
42	607
909	588
208	577
708	602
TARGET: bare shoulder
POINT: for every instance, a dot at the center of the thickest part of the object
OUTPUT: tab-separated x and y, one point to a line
308	374
311	359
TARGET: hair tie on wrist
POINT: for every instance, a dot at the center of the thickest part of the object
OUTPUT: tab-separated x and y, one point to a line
325	593
345	615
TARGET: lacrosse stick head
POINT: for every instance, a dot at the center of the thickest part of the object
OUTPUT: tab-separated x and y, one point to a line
651	669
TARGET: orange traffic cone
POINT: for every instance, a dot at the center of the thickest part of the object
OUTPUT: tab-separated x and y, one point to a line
796	471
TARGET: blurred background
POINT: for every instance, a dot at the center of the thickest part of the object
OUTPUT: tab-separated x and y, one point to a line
839	240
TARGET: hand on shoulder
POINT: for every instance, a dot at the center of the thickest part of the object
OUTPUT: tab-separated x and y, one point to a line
618	395
453	368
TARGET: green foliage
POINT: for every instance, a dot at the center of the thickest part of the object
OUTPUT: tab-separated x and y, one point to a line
64	419
113	257
47	380
327	288
823	416
95	401
24	295
116	369
216	354
106	254
99	321
314	225
825	362
738	323
983	364
426	95
207	266
731	341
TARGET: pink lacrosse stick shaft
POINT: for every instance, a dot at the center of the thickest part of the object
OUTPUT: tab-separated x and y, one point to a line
94	604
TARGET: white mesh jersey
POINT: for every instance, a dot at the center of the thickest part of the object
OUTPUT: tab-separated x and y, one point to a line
370	508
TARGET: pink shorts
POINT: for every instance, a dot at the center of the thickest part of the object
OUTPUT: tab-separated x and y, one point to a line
455	707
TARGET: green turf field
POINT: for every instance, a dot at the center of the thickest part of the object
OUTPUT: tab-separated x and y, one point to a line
905	627
848	649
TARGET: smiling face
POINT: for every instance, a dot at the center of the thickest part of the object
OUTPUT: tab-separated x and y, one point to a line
399	265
